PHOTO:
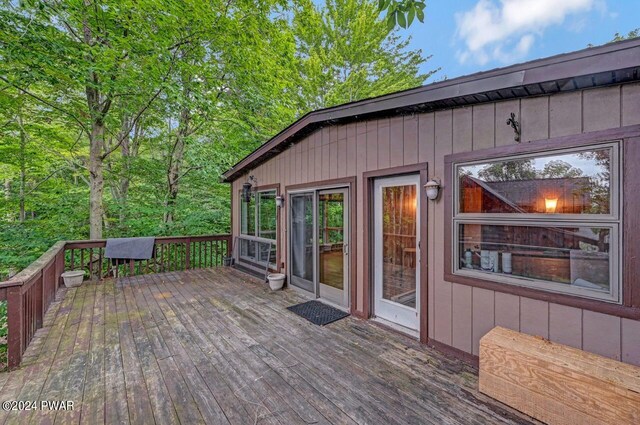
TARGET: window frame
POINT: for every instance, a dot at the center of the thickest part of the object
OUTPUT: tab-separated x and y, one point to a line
255	261
613	221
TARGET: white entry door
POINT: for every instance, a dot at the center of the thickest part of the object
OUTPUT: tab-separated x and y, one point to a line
396	204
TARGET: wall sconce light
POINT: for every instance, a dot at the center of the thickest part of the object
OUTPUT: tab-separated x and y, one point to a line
246	189
279	201
550	205
246	192
432	189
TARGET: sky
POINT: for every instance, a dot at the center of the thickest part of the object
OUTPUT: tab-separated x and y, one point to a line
467	36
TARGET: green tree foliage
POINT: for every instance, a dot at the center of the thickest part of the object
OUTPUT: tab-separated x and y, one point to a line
516	169
631	34
346	53
402	12
117	118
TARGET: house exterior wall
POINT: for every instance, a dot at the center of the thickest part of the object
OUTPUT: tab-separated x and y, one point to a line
459	315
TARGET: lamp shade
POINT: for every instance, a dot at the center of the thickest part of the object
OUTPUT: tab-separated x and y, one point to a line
279	201
432	189
246	192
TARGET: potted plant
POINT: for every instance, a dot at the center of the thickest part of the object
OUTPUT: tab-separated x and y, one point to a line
73	278
276	281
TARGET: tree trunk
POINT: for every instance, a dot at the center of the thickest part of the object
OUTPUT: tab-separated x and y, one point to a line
23	168
7	189
176	158
96	180
98	111
129	147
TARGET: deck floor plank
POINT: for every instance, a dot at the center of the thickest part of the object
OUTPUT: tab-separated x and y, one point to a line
216	346
281	396
77	371
189	353
162	407
65	363
93	397
172	367
116	406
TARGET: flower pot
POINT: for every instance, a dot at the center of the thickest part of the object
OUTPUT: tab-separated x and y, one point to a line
73	278
228	261
276	281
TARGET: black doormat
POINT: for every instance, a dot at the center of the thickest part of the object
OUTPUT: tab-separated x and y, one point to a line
318	313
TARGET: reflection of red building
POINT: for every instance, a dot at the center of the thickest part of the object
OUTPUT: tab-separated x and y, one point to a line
572	195
538	252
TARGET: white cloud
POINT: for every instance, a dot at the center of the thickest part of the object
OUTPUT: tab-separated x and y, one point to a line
506	30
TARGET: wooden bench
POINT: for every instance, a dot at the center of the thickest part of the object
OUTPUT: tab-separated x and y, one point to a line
557	384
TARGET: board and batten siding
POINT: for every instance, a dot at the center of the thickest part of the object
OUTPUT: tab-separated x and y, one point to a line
459	315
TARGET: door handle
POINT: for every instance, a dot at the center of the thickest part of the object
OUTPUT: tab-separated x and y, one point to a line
345	248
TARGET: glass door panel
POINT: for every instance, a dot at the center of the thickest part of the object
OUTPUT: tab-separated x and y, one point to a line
333	245
302	241
396	250
399	244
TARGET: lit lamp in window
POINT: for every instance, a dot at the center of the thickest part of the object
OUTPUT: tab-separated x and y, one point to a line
279	201
432	189
550	205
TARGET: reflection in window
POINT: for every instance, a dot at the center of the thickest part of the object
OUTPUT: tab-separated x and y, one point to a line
399	234
248	216
547	221
574	256
267	215
568	183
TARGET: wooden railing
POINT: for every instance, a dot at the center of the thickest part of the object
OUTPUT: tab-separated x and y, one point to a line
170	254
29	293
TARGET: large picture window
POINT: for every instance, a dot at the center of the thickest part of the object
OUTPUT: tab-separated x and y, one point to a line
550	221
258	228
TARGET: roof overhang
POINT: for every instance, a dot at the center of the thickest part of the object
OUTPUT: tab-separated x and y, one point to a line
612	63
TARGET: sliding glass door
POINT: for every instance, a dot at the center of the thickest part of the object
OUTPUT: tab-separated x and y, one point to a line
319	243
302	247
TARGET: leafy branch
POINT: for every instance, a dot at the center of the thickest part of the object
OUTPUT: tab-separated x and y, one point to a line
402	12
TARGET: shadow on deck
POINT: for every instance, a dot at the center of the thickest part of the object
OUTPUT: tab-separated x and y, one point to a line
215	346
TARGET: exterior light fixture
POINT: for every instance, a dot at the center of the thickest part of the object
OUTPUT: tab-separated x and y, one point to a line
550	205
432	189
246	192
279	201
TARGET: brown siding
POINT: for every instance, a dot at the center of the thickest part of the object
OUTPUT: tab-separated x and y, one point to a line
601	109
565	114
483	134
565	325
410	139
459	315
396	147
535	118
631	104
534	317
462	317
601	334
483	315
507	311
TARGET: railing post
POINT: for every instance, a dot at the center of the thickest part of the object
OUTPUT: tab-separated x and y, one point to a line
187	255
39	296
15	325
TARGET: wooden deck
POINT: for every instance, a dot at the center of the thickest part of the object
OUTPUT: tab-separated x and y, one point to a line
215	346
